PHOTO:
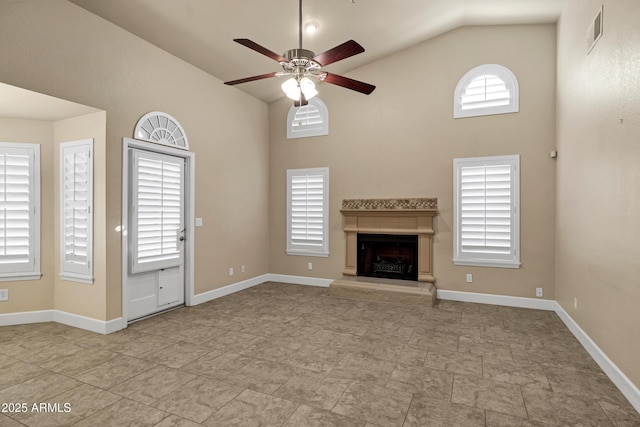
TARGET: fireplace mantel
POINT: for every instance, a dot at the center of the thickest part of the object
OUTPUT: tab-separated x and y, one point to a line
391	216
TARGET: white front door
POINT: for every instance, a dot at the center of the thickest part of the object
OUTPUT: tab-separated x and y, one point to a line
156	233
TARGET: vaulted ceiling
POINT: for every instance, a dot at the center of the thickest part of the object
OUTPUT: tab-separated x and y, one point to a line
201	32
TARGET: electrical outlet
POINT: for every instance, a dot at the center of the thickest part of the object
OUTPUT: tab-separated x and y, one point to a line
310	266
4	294
575	303
231	271
244	269
539	292
469	278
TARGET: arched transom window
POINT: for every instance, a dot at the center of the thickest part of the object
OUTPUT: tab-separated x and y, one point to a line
485	90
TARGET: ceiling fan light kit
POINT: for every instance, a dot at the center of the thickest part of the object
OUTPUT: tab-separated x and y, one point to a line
293	87
301	64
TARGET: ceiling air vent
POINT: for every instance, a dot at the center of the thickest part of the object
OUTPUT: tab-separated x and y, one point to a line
595	31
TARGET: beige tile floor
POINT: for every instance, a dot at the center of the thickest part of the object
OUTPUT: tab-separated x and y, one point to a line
287	355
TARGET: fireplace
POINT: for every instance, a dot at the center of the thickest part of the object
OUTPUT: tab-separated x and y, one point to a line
371	224
391	256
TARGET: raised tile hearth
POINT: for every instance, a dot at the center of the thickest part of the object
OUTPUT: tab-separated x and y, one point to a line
380	289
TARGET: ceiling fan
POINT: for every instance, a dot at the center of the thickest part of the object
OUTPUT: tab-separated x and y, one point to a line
301	64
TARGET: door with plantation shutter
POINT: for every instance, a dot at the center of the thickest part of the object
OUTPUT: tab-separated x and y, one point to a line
156	227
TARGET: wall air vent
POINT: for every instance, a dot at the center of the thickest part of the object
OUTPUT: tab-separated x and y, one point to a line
595	31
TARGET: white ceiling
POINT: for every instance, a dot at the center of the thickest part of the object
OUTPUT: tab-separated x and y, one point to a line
201	32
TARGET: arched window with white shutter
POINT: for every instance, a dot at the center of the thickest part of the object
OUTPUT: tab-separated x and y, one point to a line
309	120
486	90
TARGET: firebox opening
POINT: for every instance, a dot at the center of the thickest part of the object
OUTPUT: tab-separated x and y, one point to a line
393	256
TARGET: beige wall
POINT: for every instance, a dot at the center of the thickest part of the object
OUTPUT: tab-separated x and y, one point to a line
401	141
33	295
62	50
74	297
598	122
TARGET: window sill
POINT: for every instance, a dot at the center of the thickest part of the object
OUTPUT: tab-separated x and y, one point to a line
307	253
80	279
11	277
487	263
487	111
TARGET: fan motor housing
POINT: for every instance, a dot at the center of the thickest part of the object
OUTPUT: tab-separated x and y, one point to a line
299	54
301	60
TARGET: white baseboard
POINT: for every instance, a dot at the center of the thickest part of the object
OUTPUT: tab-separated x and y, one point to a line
624	384
26	317
229	289
521	302
70	319
245	284
88	323
300	280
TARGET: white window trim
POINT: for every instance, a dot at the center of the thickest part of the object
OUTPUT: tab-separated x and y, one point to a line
511	260
32	272
505	74
82	273
305	250
320	129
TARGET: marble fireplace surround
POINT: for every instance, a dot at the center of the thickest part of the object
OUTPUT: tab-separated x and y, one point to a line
391	216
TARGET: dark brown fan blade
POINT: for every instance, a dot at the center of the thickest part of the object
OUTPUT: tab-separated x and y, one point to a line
356	85
250	79
260	49
303	101
338	53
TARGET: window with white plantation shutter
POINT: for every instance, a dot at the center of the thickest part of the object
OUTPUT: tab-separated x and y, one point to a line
486	208
307	212
76	211
19	211
485	90
308	120
158	223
